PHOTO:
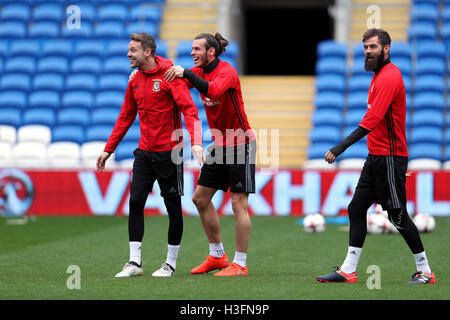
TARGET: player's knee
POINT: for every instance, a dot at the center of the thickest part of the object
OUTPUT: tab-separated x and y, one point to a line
239	204
200	201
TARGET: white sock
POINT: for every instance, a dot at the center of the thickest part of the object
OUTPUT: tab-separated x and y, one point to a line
351	261
216	249
240	258
135	251
422	262
172	255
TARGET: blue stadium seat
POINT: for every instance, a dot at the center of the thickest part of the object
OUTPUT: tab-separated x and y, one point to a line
43	30
331	48
106	116
4	47
184	61
112	12
146	12
424	13
48	12
133	133
70	133
429	100
357	150
426	134
25	48
360	83
232	50
15	12
446	14
93	48
327	118
447	136
13	29
42	116
427	117
329	100
400	50
117	82
109	29
407	83
425	150
78	99
421	31
10	117
141	26
48	81
327	134
15	81
125	150
430	83
358	50
13	99
318	150
354	117
118	48
161	48
98	133
53	64
85	31
330	83
429	66
74	116
109	99
44	99
81	81
184	48
88	11
357	100
331	66
431	49
91	65
357	68
117	65
57	48
20	65
404	64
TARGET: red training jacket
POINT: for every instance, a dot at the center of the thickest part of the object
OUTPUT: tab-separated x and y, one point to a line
159	104
386	113
224	105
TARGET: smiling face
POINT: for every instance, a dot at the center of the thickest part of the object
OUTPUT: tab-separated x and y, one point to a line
137	54
375	54
202	57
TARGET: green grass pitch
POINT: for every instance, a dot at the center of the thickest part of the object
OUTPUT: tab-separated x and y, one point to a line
283	261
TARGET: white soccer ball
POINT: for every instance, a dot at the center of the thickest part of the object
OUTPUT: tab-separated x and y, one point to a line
424	222
314	223
377	224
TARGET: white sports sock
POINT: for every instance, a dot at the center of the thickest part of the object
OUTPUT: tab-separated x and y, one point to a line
216	249
422	262
172	255
135	251
351	261
240	258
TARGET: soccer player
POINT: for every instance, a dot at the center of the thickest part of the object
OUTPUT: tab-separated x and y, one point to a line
159	104
231	163
383	176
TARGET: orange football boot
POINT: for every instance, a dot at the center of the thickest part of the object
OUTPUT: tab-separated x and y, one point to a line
211	263
233	270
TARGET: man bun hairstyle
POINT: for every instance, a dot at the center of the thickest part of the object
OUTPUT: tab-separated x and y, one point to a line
146	40
218	42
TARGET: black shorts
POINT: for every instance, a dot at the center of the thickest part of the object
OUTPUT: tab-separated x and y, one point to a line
383	180
230	168
161	166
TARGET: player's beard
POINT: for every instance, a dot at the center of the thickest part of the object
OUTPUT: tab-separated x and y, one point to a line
375	64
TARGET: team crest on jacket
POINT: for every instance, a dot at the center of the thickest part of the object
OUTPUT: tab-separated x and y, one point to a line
156	85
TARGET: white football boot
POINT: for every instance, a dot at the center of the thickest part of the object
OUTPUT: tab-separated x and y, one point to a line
165	271
130	269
